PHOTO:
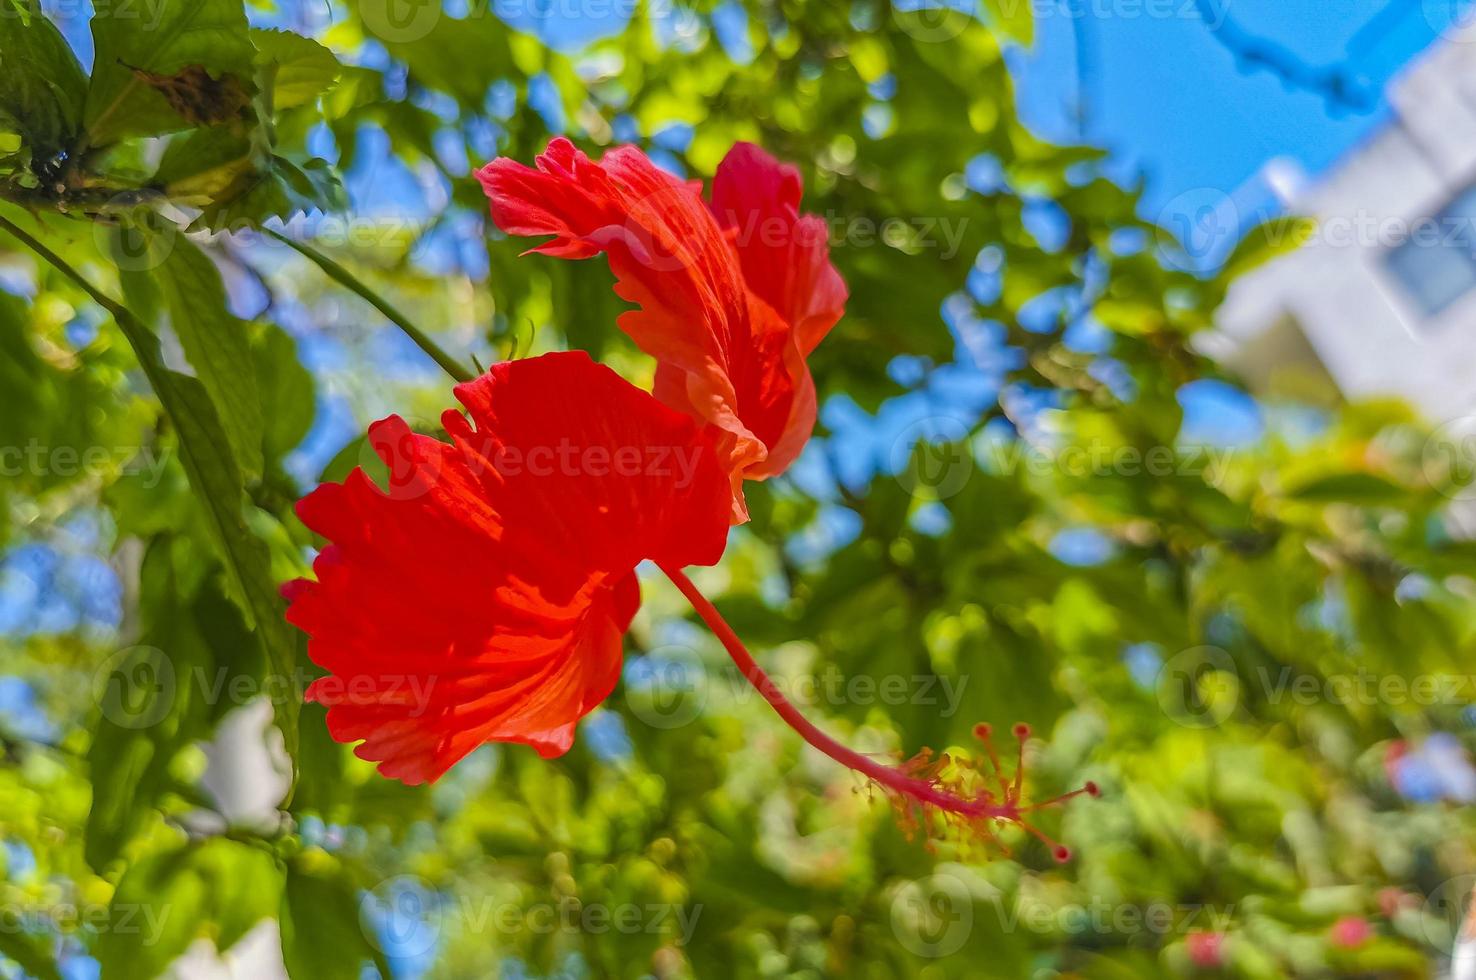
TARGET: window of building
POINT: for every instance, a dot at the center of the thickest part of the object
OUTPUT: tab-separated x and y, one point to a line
1436	263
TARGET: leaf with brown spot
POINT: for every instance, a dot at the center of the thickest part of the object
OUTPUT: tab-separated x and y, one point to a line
196	96
174	36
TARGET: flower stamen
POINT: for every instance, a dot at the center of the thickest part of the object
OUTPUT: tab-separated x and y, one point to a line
935	795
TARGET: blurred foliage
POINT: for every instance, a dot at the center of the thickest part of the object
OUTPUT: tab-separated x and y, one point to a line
164	364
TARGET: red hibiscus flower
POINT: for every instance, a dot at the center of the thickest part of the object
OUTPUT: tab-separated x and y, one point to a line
484	594
730	299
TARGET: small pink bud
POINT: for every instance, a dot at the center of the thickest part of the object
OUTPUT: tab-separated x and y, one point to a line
1206	949
1350	932
1392	900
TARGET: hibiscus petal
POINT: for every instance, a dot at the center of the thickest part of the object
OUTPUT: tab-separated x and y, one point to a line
483	593
785	255
724	354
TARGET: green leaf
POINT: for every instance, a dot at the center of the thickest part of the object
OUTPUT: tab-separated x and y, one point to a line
282	189
42	86
196	51
300	69
1012	18
217	889
322	938
460	57
217	485
329	792
129	765
156	912
155	698
286	386
238	184
869	56
21	373
215	343
1265	242
250	885
1366	489
205	166
32	953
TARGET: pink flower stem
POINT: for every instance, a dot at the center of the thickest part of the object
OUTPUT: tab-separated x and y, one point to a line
889	777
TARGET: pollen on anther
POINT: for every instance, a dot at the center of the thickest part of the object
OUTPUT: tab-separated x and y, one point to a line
941	795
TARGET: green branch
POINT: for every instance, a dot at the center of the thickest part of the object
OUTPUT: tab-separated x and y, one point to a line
119	312
347	279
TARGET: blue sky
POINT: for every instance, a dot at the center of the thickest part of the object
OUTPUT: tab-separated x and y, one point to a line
1166	95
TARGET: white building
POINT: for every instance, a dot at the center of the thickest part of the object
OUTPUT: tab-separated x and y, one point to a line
1382	300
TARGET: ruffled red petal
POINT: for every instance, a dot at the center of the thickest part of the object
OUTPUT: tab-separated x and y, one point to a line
483	594
725	353
785	255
